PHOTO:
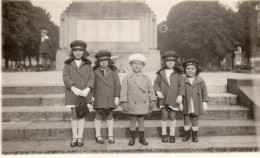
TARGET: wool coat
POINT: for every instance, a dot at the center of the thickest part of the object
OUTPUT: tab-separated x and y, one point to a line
198	92
106	88
138	93
81	77
46	45
170	91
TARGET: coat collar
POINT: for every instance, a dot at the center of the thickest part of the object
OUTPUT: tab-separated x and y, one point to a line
197	80
99	74
139	84
163	74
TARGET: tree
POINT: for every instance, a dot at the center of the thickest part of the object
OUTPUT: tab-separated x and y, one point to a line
248	16
21	27
206	31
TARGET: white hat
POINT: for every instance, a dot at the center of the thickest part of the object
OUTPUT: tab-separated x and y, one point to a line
137	57
45	31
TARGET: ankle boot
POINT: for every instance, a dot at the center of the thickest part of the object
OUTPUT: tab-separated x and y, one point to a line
132	138
194	136
186	136
142	139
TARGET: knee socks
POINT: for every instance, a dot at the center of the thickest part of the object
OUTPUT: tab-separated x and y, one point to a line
110	124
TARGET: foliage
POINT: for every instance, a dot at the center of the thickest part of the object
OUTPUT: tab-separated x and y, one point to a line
206	31
21	27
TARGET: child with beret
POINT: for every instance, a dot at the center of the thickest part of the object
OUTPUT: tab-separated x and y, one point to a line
106	93
137	97
78	78
195	100
169	88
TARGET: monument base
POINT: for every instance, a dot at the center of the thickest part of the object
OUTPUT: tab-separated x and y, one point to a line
153	58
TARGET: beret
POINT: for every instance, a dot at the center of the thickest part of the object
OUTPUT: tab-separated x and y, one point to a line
78	45
137	57
190	62
103	55
170	55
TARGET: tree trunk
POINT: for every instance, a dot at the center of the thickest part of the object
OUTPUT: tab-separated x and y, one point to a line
6	63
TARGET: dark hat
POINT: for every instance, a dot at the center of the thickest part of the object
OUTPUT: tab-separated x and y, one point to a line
190	62
78	45
103	55
170	55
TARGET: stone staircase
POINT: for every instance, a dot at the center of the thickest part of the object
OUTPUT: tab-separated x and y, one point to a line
34	120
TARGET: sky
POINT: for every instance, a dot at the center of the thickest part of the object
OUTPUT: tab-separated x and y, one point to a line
159	7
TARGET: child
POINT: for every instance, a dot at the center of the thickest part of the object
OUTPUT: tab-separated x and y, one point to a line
196	98
78	78
106	92
137	96
169	87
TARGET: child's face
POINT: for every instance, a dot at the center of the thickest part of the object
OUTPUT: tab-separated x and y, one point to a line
191	70
104	64
137	66
43	34
170	64
78	53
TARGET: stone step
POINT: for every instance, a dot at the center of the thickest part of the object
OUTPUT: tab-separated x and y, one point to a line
206	144
45	113
59	88
62	129
58	99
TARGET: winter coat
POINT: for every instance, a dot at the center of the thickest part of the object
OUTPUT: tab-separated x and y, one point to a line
137	93
170	92
81	77
106	88
45	46
198	92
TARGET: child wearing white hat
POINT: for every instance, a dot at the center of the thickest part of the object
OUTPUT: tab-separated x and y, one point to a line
137	96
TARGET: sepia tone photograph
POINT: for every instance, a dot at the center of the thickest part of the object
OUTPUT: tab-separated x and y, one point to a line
130	77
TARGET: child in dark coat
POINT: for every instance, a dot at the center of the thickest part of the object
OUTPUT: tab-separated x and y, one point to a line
169	87
78	78
137	97
106	93
195	100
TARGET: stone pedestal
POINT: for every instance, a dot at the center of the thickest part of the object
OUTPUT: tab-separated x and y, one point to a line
120	26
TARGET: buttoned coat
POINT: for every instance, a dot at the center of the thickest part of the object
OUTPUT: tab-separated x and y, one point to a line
170	91
46	45
138	95
198	92
106	88
81	77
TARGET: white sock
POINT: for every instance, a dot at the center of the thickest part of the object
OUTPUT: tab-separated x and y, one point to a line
186	128
195	128
172	127
74	125
110	125
81	128
164	126
97	127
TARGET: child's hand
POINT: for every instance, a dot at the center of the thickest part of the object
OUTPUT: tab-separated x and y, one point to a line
205	106
181	107
116	101
85	92
76	91
159	94
93	99
179	99
153	104
124	106
90	107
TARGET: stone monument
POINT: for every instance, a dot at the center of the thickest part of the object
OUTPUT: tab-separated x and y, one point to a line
123	27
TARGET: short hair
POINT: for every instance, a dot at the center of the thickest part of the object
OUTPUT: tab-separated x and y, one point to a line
198	69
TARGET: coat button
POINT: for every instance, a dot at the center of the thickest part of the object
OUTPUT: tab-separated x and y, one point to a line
145	102
135	102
